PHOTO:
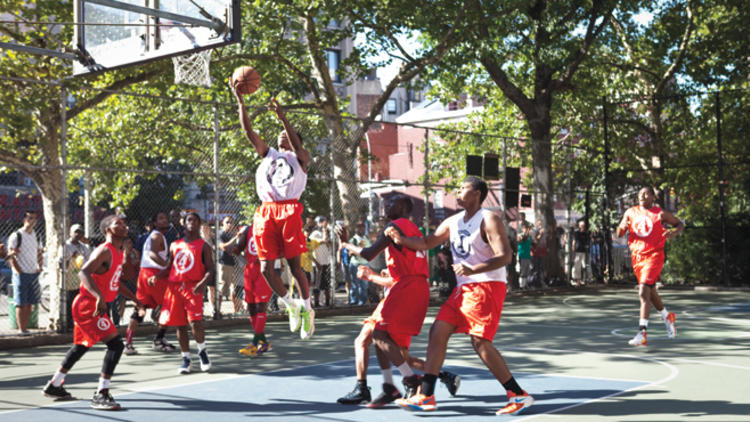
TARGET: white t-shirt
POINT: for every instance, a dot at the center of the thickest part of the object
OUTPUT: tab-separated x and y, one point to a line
27	253
321	254
468	246
146	261
279	177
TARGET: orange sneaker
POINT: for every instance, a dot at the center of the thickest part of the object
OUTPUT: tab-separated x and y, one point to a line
669	321
639	339
418	403
516	404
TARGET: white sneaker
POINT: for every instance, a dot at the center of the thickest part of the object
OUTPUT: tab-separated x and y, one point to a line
639	339
294	309
669	321
308	323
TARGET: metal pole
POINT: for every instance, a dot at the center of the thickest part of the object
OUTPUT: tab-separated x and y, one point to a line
62	315
505	174
370	210
569	244
607	160
426	221
722	210
335	262
217	296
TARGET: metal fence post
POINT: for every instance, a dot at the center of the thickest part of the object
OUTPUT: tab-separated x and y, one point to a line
722	210
335	263
62	296
607	229
426	221
217	252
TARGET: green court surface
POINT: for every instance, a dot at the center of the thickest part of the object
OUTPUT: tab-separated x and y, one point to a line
568	349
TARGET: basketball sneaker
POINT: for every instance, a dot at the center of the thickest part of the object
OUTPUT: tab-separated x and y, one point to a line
357	396
185	368
58	393
516	404
205	363
162	345
249	350
418	403
102	400
308	323
263	347
295	320
669	321
390	394
451	381
130	350
411	385
639	339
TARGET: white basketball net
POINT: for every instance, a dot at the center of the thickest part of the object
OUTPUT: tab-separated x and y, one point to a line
193	69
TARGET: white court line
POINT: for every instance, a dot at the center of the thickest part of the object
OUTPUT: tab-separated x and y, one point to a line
724	365
730	321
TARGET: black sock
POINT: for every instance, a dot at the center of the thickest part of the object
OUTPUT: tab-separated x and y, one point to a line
512	385
428	384
362	384
160	334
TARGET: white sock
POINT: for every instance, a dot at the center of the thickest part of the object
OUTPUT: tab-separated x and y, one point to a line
186	355
58	378
664	313
405	370
201	347
287	299
308	305
103	384
388	376
643	322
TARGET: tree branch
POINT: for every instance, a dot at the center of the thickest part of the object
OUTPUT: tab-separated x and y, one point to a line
682	49
108	91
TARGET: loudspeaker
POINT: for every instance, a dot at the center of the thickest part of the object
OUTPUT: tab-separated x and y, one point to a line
526	200
511	182
491	167
474	165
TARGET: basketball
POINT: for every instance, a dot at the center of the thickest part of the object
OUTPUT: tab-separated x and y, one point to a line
245	80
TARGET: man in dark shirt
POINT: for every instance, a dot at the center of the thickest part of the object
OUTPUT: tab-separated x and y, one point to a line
581	241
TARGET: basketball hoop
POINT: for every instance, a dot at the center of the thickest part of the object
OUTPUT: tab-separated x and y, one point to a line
193	69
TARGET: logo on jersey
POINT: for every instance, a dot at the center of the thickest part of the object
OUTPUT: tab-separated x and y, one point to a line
462	245
103	324
114	282
251	244
184	261
642	226
164	317
280	173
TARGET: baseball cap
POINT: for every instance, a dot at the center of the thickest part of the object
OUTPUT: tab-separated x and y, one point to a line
76	227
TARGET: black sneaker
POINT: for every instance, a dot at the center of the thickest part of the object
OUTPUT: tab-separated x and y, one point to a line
451	381
390	393
357	396
411	384
59	393
104	401
205	363
162	345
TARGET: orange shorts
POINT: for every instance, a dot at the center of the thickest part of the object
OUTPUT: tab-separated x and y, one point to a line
88	329
181	305
402	340
277	228
475	308
149	296
647	268
403	310
257	289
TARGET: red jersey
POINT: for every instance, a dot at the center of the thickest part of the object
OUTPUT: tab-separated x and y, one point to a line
646	230
109	282
402	261
187	264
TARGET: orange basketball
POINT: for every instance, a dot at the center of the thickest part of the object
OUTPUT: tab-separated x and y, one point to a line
245	80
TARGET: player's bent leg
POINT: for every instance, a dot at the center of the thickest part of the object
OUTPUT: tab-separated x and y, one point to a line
54	388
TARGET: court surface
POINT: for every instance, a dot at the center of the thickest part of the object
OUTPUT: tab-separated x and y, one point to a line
569	350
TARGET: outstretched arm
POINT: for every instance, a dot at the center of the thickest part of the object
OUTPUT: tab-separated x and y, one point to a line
303	156
258	143
673	221
623	226
439	237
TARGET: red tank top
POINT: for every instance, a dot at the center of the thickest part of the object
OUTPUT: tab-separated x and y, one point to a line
187	264
406	262
646	231
109	282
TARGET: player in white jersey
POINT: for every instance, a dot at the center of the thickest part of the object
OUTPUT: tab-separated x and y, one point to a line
151	295
277	225
481	250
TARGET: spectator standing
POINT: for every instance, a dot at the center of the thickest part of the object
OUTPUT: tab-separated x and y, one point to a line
358	290
538	254
524	254
581	242
228	264
511	268
75	252
208	236
321	254
176	229
26	263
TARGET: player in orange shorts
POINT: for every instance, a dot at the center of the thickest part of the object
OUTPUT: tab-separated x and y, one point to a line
481	250
280	180
190	267
646	242
154	259
100	284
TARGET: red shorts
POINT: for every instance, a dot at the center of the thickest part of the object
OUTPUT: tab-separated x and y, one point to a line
403	310
647	268
257	289
181	305
402	340
88	329
149	296
475	308
277	228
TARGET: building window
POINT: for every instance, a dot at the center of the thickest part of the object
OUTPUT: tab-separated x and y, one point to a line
390	106
334	61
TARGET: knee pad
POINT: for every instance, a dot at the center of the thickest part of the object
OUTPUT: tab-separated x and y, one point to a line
74	354
136	316
112	357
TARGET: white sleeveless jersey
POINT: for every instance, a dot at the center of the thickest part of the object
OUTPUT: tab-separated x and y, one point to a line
146	261
467	246
280	177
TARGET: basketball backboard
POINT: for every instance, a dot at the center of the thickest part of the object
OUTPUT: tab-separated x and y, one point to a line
117	33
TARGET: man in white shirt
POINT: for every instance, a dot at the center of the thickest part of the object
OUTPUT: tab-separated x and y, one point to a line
75	254
322	259
25	260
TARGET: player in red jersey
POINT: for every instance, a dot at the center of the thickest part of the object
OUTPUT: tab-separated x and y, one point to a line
280	180
100	284
405	306
190	267
257	291
646	242
481	250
